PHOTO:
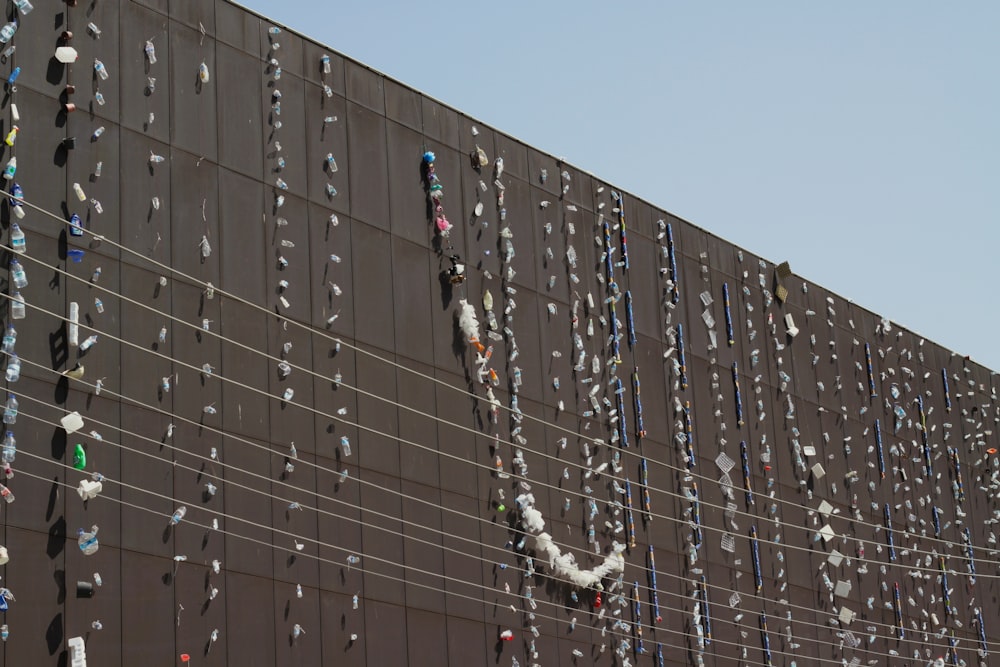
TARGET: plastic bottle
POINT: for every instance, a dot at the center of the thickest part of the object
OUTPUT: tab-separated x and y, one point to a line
88	343
78	189
10	169
9	340
18	242
17	194
150	52
23	6
97	133
13	368
75	225
99	305
101	70
325	63
9	447
203	74
12	135
7	32
178	515
17	310
79	457
345	445
87	541
17	274
4	632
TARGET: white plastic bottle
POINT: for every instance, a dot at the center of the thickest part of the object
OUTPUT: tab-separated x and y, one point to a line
17	310
18	243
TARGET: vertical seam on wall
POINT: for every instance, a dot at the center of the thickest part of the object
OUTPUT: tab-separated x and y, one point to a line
118	277
306	87
354	311
218	225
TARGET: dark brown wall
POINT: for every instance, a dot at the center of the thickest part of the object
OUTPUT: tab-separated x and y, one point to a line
418	505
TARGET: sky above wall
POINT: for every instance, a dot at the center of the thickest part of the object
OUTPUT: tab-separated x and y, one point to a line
858	141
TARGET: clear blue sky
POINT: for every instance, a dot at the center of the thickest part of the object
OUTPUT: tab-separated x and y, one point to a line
858	140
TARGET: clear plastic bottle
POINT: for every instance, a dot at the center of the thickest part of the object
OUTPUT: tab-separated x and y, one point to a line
24	7
101	70
150	52
17	310
9	447
345	445
10	410
6	494
80	194
178	515
87	541
9	340
13	368
7	32
17	274
17	241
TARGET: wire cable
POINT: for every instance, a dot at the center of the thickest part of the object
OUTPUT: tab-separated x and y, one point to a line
213	462
852	521
404	406
336	340
623	635
484	466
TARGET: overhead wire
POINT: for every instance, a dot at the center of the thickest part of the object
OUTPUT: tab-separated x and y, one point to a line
213	462
337	340
836	646
852	521
408	442
402	521
675	496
